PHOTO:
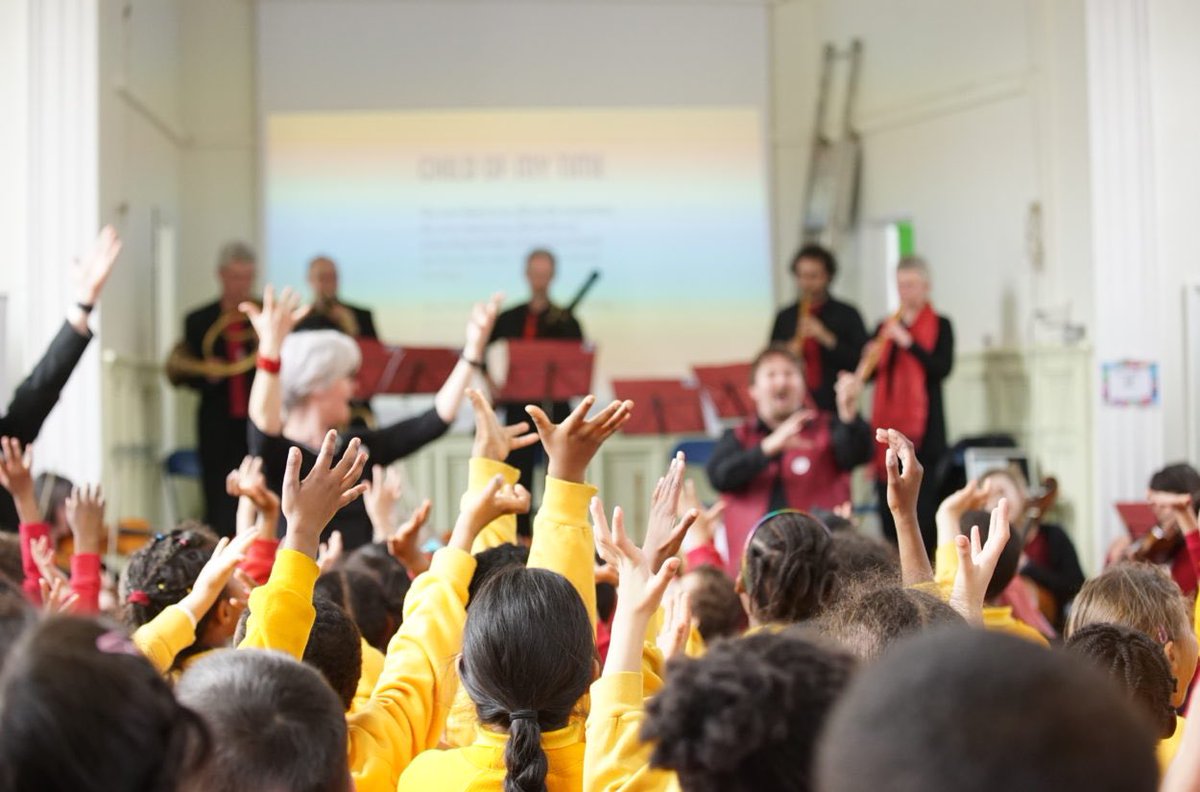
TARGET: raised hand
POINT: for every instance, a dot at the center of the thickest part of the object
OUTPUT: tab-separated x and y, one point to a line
479	327
1180	505
45	559
329	555
85	516
786	435
950	511
92	271
16	465
310	504
57	597
664	535
249	482
381	496
403	545
847	392
977	563
215	574
277	317
677	624
493	441
703	529
639	590
497	499
903	488
571	444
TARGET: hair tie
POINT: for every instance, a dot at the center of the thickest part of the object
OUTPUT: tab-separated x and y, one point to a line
138	597
525	714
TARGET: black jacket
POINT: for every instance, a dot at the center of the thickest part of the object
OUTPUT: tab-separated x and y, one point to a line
844	321
214	396
36	396
362	317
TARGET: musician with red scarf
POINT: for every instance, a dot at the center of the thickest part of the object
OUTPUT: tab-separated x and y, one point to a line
826	333
537	318
790	454
911	354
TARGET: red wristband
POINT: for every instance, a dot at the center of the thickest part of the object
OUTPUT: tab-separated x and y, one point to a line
269	365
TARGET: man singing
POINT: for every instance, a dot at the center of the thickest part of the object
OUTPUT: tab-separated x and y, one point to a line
911	354
329	312
827	334
789	454
538	318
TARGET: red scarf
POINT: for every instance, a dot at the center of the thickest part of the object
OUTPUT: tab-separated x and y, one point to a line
901	399
814	374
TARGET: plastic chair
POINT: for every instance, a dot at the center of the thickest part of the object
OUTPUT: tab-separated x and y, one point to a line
183	463
697	452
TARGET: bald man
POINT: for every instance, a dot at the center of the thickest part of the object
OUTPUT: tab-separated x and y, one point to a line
330	313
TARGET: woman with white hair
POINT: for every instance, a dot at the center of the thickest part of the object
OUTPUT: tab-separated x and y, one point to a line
304	385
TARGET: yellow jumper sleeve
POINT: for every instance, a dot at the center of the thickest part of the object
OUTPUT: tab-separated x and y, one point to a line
615	758
407	710
502	530
372	666
562	538
281	612
166	635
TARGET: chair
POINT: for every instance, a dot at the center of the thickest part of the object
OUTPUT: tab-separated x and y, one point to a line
183	463
697	452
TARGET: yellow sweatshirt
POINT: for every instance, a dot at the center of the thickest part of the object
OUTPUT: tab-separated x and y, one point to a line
615	758
480	765
502	530
406	710
372	665
166	635
995	618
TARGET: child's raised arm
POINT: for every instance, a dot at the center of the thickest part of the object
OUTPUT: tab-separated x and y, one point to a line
903	487
562	538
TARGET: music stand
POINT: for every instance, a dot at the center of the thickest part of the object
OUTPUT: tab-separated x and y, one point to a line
402	370
726	386
1138	516
663	407
541	371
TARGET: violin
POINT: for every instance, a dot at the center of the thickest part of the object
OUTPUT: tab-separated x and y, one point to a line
1037	507
1158	546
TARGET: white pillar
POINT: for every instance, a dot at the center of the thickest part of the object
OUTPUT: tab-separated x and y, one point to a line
62	215
1128	443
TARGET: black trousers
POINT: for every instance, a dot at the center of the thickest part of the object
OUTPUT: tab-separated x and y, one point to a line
222	444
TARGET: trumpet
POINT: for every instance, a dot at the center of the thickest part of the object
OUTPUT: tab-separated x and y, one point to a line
182	365
866	366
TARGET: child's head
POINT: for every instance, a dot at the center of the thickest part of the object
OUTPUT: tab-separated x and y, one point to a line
528	656
1177	479
362	597
334	648
276	724
1010	556
714	603
747	714
164	571
489	562
16	616
1136	663
1143	598
1008	483
856	556
958	709
375	560
83	710
868	618
787	570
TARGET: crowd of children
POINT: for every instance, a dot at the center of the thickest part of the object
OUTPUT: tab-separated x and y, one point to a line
832	662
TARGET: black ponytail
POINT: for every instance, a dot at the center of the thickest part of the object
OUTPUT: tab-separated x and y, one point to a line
528	654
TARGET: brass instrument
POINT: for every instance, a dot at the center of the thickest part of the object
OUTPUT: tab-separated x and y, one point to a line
338	314
181	365
866	366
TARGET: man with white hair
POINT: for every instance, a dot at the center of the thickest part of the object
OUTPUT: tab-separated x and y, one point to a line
220	335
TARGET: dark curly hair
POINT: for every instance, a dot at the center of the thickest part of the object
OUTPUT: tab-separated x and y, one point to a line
1134	661
16	616
527	658
1010	556
788	568
334	648
83	710
375	560
746	715
164	571
714	603
857	556
361	596
871	615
